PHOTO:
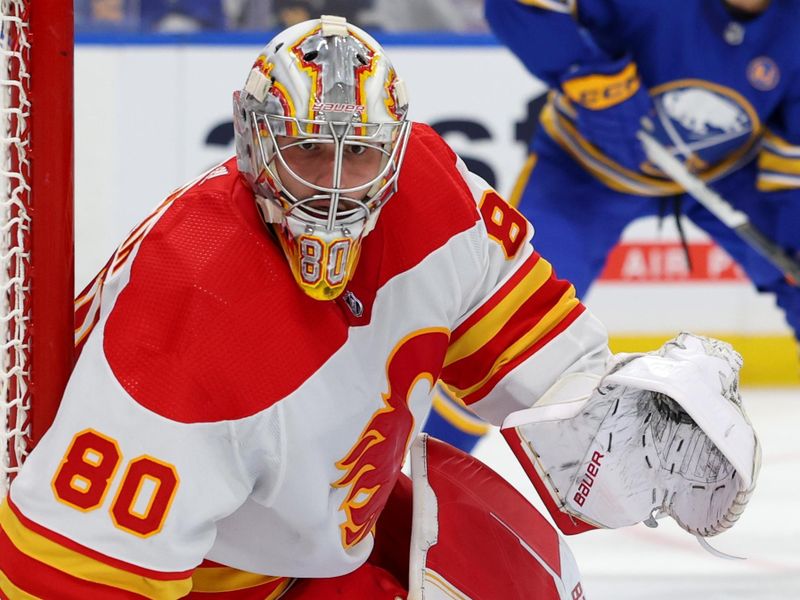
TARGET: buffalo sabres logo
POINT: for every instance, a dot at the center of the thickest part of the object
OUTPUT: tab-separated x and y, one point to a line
701	112
703	122
763	74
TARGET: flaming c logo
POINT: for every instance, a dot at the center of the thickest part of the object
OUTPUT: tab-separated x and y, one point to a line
373	463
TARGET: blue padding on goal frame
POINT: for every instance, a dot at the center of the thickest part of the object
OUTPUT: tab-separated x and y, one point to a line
256	38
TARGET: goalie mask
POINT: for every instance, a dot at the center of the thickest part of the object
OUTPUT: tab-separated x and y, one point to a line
321	131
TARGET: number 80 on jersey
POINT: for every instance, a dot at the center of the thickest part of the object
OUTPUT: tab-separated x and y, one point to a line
143	497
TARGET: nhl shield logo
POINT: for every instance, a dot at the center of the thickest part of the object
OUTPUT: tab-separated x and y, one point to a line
763	74
353	303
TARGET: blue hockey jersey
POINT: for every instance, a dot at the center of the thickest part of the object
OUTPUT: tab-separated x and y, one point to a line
726	87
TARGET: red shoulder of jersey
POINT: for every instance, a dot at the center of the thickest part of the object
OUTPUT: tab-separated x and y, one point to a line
432	205
433	202
211	325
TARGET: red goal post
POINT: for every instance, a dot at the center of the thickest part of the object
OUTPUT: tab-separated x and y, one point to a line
36	221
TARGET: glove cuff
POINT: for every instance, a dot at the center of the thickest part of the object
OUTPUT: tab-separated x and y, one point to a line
598	87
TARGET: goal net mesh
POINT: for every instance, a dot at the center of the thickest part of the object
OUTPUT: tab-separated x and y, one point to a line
15	228
36	221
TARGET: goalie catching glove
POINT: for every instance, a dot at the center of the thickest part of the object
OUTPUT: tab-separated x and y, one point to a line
662	433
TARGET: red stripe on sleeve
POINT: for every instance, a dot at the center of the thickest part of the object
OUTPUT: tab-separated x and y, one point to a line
489	305
88	552
82	342
471	369
43	581
502	372
266	591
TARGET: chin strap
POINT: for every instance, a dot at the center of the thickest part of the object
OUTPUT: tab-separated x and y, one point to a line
371	221
270	212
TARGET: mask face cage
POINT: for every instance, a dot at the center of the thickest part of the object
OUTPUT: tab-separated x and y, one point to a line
363	159
321	228
321	136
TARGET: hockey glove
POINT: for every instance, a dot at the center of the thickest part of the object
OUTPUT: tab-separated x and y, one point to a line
609	101
664	433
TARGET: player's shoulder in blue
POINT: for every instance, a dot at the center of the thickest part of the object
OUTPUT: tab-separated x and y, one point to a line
779	30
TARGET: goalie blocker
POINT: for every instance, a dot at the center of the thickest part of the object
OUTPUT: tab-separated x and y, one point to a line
662	433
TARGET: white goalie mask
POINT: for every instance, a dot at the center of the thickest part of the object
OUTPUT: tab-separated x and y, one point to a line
321	131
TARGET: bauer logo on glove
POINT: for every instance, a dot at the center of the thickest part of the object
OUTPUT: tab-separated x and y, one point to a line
663	433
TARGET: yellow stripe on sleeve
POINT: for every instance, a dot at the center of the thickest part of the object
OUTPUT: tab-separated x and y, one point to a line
779	145
13	592
226	579
84	567
767	161
458	418
551	319
487	327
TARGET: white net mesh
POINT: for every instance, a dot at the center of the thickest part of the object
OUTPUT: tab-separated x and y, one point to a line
14	237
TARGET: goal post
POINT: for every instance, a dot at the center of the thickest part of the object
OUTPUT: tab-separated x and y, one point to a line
36	221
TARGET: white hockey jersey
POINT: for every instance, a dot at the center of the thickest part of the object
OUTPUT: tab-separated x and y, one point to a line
217	412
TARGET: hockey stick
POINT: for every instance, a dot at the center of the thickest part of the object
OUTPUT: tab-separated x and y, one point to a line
719	207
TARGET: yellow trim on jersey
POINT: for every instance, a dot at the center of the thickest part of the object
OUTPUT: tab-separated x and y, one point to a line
278	591
80	336
522	180
90	293
778	145
767	161
551	319
13	592
599	91
227	579
443	405
488	327
84	567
